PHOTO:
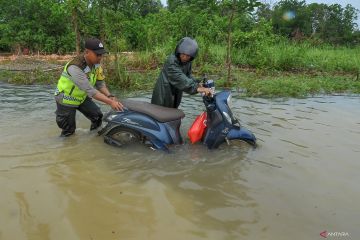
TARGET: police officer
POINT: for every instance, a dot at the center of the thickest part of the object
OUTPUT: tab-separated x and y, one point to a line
81	80
175	76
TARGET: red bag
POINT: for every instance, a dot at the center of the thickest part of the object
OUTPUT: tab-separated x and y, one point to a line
198	127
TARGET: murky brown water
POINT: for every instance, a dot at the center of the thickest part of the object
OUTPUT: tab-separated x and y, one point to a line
301	180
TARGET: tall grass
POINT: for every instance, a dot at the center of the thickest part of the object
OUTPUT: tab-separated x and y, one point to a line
36	76
279	69
333	59
131	71
286	56
281	56
295	85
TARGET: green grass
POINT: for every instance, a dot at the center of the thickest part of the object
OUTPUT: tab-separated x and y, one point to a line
297	85
287	56
282	69
305	57
331	59
30	77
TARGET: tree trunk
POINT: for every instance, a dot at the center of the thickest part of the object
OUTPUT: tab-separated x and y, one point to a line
228	53
76	29
101	21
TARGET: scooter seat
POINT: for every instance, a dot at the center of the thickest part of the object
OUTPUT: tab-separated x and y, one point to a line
161	114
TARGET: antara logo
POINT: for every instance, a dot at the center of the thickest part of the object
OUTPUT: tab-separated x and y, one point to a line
323	234
326	234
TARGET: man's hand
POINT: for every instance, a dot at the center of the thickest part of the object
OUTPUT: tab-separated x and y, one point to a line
116	105
113	101
206	91
112	97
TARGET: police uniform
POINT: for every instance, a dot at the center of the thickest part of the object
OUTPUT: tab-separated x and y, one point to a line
75	88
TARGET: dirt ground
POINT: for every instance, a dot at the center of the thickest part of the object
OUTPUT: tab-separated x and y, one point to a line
32	62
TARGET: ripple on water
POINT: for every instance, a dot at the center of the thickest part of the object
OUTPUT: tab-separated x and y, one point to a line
229	193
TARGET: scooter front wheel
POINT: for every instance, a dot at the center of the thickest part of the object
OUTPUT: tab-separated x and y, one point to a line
120	136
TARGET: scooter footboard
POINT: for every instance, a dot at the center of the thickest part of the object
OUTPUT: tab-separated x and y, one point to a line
242	134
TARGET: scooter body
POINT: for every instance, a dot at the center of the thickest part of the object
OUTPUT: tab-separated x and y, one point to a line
160	126
222	126
141	121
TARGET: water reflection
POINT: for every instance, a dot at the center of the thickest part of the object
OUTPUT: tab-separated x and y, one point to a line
301	179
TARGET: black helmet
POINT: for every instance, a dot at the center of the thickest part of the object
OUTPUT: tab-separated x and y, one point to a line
187	46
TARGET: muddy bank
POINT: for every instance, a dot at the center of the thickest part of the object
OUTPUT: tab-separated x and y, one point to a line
20	63
138	72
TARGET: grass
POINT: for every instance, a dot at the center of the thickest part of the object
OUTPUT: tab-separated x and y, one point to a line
299	57
285	69
30	77
299	85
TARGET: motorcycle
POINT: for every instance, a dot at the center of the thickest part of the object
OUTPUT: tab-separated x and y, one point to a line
159	126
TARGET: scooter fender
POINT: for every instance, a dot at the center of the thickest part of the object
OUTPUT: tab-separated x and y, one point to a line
215	136
243	134
154	131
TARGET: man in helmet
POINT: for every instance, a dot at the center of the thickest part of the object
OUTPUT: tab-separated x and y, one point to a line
80	82
175	77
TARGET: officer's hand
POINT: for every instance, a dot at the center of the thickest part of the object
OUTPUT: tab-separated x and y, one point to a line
114	98
116	105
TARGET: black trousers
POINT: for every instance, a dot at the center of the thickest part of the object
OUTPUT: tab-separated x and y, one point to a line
65	116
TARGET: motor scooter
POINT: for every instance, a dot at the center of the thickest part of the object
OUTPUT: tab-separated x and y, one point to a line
143	122
159	126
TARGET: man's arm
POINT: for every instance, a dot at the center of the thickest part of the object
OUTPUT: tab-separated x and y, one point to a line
182	82
101	86
116	105
80	79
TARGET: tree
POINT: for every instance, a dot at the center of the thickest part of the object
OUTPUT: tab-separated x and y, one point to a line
290	16
332	23
174	4
233	9
77	9
264	12
134	8
38	25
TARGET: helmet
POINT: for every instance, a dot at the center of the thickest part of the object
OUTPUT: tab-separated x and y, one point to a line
187	46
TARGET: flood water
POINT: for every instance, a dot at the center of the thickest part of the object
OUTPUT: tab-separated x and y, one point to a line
302	179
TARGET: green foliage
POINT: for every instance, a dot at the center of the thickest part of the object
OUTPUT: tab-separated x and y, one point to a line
260	34
122	73
298	85
36	76
291	36
290	15
330	23
48	26
37	26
